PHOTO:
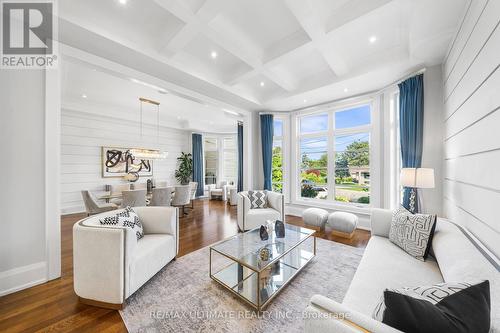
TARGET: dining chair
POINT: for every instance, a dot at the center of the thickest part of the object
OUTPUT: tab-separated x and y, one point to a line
117	190
161	196
182	197
92	206
193	187
134	198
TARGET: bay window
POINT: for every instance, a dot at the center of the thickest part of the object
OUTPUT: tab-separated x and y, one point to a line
334	155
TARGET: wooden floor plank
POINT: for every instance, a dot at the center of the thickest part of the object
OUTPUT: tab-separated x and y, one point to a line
54	307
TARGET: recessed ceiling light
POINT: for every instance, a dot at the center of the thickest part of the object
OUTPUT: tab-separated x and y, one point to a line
213	54
373	39
84	96
346	90
305	101
262	83
211	122
179	117
123	2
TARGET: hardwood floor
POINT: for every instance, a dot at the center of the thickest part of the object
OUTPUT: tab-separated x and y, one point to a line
54	307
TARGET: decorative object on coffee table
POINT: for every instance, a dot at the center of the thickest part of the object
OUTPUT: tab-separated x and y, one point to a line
264	235
343	224
279	228
264	254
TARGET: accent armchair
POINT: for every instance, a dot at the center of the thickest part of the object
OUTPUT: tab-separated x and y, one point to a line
249	218
219	191
110	264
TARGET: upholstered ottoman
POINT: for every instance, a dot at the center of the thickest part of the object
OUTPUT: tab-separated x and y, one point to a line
315	217
343	224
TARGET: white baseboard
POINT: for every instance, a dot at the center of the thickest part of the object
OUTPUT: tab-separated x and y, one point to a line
297	210
22	277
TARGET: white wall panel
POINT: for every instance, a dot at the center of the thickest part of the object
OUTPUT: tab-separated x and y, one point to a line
472	125
83	134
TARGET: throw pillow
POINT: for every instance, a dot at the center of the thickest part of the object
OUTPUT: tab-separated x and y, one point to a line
126	218
412	232
258	199
444	307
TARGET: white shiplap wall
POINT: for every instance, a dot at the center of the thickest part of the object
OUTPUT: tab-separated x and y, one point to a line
83	134
472	124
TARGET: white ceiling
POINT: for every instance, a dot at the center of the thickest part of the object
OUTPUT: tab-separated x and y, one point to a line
88	88
271	55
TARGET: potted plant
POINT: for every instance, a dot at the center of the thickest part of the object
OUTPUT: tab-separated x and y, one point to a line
185	171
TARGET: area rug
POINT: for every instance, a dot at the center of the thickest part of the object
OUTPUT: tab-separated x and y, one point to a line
183	298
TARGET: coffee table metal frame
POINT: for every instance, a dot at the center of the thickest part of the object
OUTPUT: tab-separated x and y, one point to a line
259	306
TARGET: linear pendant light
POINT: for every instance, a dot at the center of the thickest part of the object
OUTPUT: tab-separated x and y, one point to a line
149	154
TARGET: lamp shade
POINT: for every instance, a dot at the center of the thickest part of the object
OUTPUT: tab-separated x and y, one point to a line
417	177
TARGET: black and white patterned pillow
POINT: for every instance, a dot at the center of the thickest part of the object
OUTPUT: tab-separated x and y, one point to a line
412	232
126	218
258	199
443	307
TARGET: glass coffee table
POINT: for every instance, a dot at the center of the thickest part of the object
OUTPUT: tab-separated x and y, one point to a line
255	270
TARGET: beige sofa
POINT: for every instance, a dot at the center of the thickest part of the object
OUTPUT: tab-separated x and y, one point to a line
384	265
110	264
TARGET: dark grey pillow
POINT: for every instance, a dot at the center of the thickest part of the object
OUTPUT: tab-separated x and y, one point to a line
444	307
258	199
412	232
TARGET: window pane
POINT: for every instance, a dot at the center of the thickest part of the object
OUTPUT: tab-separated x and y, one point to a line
229	143
352	168
314	168
210	144
353	117
229	157
278	127
278	187
314	123
277	167
210	167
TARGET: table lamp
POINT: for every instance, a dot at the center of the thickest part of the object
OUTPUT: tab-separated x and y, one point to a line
416	178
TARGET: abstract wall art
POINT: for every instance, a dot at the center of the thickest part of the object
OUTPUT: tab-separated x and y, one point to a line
118	162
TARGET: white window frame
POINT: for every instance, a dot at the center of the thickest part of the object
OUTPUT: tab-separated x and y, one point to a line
330	134
233	151
282	139
217	172
285	148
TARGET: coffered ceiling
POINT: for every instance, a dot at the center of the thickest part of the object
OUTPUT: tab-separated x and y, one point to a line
266	54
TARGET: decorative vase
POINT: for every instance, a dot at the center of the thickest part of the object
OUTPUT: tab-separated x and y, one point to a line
264	254
279	228
263	233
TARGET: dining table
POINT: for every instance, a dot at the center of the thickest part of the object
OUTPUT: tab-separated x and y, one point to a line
118	195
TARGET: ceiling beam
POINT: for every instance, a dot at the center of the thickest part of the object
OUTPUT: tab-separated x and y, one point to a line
304	13
199	24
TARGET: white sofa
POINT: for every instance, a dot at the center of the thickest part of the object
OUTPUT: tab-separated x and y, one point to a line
110	264
249	218
384	265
